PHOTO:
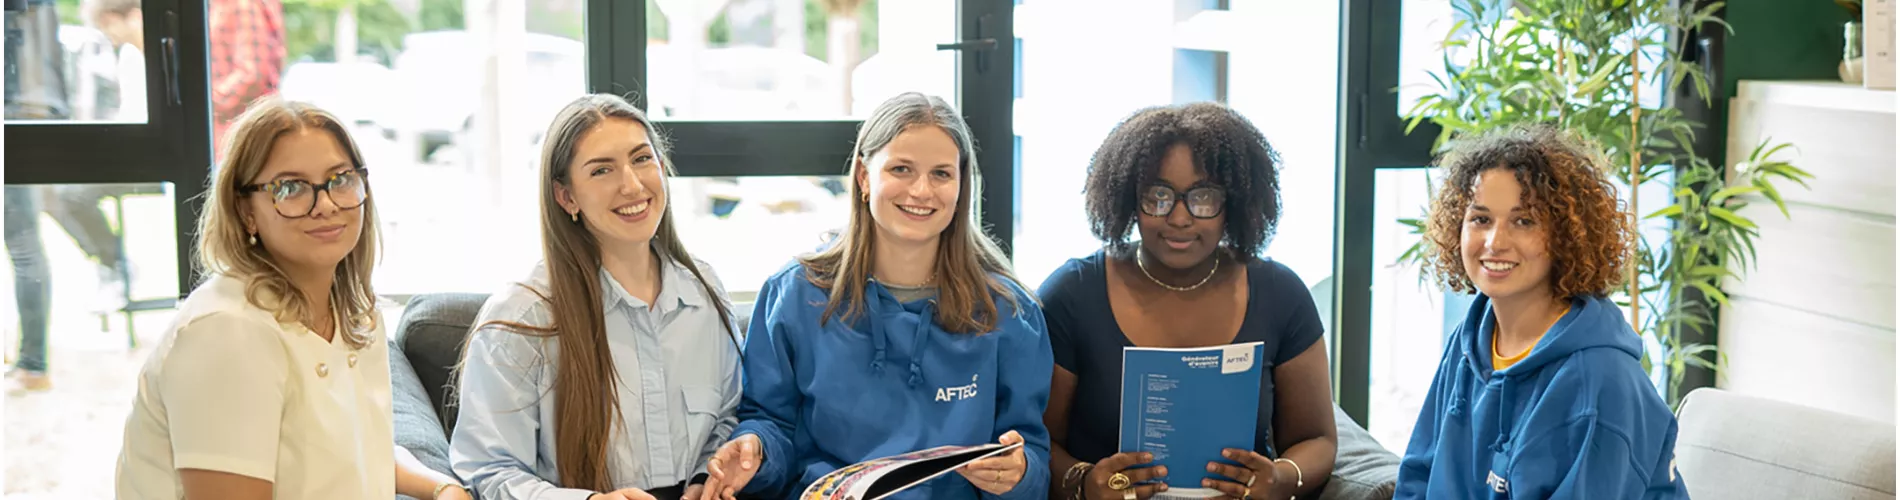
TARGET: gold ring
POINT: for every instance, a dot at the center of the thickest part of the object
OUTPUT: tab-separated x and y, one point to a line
1128	494
1119	481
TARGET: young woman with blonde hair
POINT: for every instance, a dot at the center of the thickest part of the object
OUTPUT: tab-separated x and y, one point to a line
908	333
273	379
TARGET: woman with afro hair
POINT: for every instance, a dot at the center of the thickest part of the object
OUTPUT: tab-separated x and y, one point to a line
1197	185
1539	393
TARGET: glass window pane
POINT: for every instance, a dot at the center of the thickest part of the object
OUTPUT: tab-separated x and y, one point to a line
1169	52
68	64
1425	25
1410	318
748	228
72	365
794	59
421	86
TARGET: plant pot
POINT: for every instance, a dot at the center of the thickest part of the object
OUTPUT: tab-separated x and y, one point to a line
1851	62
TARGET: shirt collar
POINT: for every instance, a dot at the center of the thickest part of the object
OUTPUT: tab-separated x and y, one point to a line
677	289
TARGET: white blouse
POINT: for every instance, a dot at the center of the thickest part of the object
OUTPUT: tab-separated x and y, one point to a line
231	389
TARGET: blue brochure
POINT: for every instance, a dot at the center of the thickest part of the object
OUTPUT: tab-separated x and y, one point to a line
1186	405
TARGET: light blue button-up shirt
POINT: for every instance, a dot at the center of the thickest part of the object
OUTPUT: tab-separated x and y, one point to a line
678	384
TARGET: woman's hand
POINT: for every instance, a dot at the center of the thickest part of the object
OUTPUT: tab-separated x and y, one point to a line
1253	481
624	494
730	468
999	474
1101	478
454	493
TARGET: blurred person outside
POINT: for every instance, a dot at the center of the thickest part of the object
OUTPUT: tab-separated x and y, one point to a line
247	58
35	90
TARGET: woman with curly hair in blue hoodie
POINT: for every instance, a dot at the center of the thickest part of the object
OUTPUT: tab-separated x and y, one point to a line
908	332
1540	393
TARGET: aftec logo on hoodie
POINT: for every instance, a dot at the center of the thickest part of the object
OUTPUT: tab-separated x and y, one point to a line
957	393
1498	484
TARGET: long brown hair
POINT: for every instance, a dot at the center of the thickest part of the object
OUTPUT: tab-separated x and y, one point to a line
968	263
584	389
224	245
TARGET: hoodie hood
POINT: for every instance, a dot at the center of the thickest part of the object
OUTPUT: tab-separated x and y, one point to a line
1593	322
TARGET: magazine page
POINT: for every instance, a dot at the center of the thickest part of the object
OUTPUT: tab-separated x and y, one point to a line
879	478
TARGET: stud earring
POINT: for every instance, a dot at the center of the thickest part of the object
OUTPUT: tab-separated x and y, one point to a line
574	216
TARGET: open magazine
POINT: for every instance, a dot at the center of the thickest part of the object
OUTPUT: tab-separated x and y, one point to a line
879	478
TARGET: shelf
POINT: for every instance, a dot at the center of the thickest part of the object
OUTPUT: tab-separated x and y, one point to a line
1818	94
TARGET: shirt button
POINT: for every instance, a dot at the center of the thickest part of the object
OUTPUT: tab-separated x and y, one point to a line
323	370
352	360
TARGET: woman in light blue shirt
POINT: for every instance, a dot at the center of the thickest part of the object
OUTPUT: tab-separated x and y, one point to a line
611	372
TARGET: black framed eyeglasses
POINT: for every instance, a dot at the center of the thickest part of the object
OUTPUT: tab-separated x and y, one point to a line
294	198
1203	202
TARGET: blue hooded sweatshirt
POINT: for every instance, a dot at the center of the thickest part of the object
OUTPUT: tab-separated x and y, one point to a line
1577	418
890	382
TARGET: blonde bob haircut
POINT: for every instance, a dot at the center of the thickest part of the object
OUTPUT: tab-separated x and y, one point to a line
224	243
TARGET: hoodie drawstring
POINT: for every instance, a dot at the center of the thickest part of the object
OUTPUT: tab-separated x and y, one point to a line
878	342
1504	414
919	342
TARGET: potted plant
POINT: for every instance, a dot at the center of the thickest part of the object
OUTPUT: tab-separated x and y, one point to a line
1582	65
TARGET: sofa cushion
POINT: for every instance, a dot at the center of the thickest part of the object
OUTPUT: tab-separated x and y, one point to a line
418	427
1734	446
1362	468
432	334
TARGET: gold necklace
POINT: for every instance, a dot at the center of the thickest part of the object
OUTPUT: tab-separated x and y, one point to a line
928	282
1144	272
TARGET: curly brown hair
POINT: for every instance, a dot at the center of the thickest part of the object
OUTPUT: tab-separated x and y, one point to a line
1565	188
1227	147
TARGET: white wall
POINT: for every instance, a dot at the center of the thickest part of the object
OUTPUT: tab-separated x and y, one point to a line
1814	323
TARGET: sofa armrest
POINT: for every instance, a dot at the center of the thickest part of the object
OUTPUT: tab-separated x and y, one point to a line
1734	446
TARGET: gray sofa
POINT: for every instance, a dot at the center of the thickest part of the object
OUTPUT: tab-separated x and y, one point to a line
427	343
1735	446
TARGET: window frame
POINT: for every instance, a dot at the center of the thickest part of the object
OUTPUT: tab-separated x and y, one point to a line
172	146
616	41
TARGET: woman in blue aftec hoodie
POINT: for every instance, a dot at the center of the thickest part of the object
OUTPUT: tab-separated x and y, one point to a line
1540	393
907	333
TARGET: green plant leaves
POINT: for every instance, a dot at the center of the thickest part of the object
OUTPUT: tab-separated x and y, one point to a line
1568	62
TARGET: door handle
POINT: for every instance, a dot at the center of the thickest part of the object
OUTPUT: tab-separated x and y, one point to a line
980	44
978	47
168	49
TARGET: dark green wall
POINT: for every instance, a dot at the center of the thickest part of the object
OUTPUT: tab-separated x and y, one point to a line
1783	40
1777	40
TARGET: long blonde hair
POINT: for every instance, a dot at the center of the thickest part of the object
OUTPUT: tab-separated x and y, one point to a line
968	263
584	382
224	244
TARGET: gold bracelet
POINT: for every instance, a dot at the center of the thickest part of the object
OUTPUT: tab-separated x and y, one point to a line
1298	482
1078	471
444	486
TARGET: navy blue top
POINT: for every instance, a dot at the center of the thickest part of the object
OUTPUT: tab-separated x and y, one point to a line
1088	342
